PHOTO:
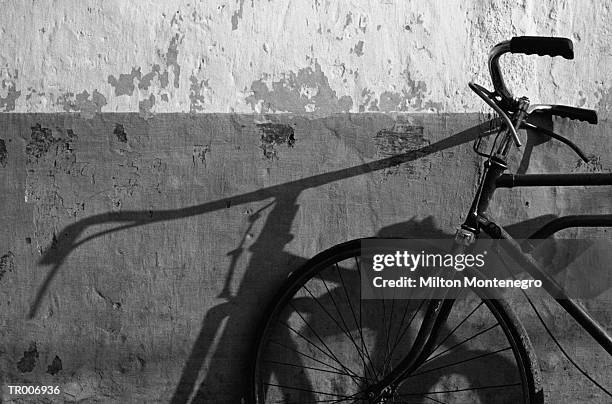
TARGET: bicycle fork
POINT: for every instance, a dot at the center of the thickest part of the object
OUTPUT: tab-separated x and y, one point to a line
434	319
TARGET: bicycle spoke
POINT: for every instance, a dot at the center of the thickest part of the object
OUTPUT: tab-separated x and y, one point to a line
336	335
384	321
497	386
348	300
457	327
460	343
311	368
332	357
363	344
460	362
401	325
387	360
307	356
354	396
308	390
376	374
330	401
333	401
407	326
434	400
345	330
321	340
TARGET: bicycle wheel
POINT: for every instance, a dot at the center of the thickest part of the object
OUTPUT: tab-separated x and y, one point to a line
321	343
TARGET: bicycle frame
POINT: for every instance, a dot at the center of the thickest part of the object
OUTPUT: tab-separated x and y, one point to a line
477	220
513	113
497	179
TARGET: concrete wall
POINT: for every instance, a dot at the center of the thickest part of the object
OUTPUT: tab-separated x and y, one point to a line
164	117
260	56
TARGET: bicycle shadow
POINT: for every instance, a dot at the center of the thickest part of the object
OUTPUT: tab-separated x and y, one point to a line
238	315
314	327
235	319
74	235
221	364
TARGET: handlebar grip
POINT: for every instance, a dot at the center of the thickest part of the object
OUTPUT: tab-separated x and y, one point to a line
542	45
581	114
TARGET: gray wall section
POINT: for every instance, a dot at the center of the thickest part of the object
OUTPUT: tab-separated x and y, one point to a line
168	305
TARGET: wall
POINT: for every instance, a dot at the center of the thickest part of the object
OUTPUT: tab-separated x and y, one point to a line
165	118
271	56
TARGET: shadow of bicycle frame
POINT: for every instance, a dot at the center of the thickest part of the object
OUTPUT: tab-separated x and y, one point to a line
274	236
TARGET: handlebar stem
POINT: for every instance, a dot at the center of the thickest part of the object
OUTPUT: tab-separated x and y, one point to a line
519	118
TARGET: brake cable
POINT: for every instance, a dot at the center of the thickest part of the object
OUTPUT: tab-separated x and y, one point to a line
488	97
558	137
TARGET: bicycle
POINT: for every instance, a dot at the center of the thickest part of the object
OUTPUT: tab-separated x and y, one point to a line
305	353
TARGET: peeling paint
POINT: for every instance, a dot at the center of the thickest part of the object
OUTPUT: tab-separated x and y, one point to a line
85	103
199	153
390	101
50	159
3	153
237	16
124	85
171	58
41	140
114	304
27	363
8	90
306	91
146	80
411	98
55	366
358	49
7	263
402	138
604	105
368	101
133	363
363	23
119	131
135	63
416	94
273	135
594	164
199	94
145	107
348	20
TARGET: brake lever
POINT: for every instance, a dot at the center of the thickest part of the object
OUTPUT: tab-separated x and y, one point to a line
479	90
560	138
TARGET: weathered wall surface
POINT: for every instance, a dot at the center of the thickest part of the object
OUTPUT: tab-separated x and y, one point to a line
160	309
161	117
259	56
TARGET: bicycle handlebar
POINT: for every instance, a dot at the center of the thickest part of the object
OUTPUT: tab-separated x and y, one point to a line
515	111
564	111
528	45
542	45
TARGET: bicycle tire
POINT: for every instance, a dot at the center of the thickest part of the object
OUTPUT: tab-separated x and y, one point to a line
515	334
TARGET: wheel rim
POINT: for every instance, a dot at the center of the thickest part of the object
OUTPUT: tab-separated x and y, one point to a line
323	343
